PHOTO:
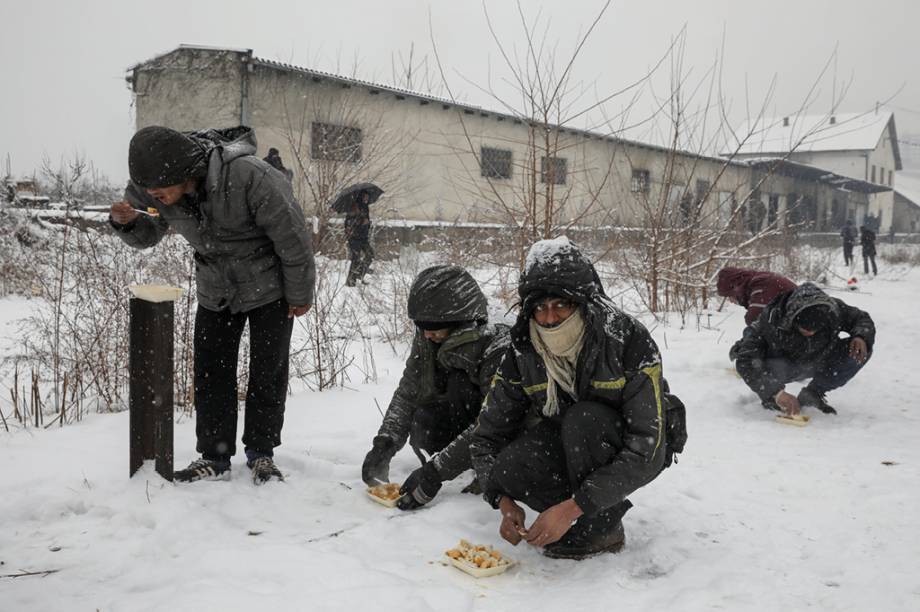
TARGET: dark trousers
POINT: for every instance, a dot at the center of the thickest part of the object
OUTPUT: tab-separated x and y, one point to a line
835	370
848	252
217	344
361	255
866	259
548	463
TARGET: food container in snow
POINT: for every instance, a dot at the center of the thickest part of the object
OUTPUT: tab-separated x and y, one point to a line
156	293
385	494
478	561
799	420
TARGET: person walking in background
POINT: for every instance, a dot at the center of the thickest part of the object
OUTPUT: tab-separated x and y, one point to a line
253	262
358	238
867	242
849	235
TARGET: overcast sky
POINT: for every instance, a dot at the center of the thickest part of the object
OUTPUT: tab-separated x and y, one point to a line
64	61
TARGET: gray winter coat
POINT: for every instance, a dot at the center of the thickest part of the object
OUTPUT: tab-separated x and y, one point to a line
252	244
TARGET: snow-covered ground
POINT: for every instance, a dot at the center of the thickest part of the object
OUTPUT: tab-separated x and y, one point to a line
756	516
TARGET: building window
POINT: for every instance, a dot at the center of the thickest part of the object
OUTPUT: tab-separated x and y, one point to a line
552	170
335	142
640	181
873	174
495	163
891	178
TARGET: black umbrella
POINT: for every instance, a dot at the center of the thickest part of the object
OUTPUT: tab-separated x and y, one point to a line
346	197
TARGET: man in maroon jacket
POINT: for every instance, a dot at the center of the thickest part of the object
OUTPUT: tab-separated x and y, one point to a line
751	289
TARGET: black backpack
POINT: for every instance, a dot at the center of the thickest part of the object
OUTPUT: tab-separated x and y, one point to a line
675	428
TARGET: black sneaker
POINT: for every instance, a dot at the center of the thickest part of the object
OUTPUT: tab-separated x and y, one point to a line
591	536
771	405
204	469
263	470
810	397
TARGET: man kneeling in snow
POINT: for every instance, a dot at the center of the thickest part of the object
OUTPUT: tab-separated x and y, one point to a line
796	337
576	418
454	355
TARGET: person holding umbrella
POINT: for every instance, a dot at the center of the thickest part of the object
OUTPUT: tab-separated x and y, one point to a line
354	202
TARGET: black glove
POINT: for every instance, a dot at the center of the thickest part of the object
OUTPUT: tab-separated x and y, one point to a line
376	467
420	487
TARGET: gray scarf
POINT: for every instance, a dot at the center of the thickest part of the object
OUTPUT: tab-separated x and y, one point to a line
559	347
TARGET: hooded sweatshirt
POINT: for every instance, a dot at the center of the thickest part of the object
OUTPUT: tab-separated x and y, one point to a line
752	289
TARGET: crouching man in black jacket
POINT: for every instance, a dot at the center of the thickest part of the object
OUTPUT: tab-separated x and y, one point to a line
796	337
575	420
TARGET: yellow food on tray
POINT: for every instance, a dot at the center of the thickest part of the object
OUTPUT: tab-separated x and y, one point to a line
483	557
388	491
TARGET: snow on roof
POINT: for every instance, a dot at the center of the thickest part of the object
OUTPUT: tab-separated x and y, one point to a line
847	132
545	250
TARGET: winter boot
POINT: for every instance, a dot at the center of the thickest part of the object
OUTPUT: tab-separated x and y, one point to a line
593	535
810	397
264	469
204	469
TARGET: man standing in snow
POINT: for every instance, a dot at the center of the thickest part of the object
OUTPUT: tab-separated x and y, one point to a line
575	421
849	234
253	261
797	338
867	242
454	356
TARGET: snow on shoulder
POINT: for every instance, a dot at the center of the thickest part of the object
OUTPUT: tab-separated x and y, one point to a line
545	250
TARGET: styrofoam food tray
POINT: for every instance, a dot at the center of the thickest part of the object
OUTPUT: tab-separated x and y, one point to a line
799	420
389	503
478	572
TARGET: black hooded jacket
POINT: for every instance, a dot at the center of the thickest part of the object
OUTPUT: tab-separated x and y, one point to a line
774	335
458	370
619	366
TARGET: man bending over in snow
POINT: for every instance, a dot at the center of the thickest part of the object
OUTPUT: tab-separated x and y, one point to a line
796	337
577	418
454	356
253	262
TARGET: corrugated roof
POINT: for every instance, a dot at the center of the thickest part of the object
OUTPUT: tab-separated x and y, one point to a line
811	133
792	168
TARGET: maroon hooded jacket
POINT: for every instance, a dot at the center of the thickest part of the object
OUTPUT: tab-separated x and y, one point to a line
752	289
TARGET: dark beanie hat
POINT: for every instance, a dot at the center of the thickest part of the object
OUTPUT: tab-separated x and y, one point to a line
159	157
435	325
814	318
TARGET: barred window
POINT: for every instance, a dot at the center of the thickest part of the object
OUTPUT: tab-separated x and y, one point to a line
335	142
640	181
495	163
552	170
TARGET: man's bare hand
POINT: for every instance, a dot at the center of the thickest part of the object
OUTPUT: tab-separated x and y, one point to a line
298	311
859	350
553	523
788	402
123	213
512	527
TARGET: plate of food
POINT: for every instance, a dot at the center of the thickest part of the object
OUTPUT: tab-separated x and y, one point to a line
799	420
477	560
385	494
